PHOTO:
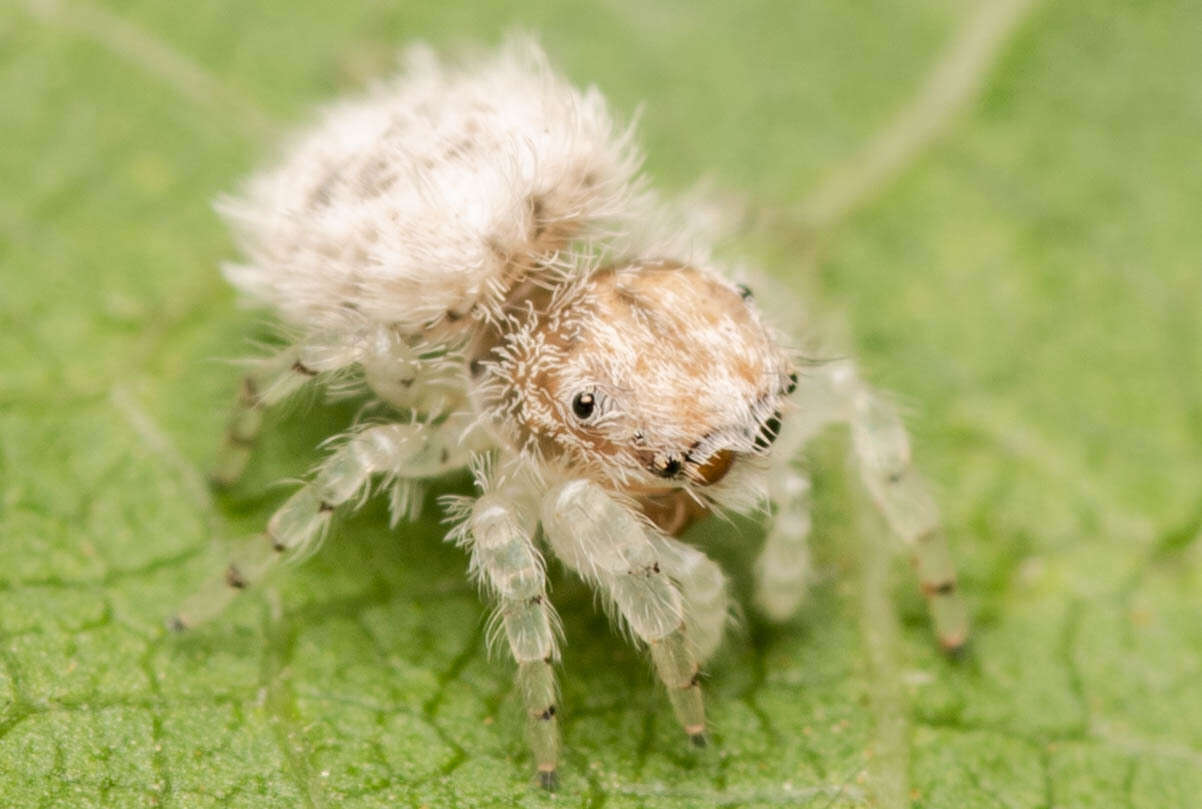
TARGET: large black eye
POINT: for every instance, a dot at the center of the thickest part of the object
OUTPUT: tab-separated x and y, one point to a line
792	386
583	405
668	467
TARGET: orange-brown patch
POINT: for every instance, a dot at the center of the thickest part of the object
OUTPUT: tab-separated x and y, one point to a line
715	467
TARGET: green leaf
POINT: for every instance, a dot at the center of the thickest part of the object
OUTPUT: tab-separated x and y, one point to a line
999	201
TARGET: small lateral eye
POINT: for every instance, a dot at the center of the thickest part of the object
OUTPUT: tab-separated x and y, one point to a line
769	430
792	386
583	405
744	291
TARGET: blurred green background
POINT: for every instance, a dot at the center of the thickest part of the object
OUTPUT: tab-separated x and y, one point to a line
997	201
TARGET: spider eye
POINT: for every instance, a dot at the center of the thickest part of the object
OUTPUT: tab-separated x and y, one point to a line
668	468
583	405
792	386
744	291
769	430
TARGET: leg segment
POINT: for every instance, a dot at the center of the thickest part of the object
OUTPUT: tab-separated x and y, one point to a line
784	563
499	536
271	381
395	369
610	547
412	449
882	448
703	588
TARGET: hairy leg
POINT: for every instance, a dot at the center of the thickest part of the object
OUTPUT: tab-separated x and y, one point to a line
783	566
702	586
613	549
270	381
398	369
499	535
408	450
882	449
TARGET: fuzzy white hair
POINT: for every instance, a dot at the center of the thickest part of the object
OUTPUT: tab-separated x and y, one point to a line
470	247
434	193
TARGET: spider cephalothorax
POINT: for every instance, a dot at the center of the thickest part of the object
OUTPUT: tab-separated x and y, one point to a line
445	247
645	374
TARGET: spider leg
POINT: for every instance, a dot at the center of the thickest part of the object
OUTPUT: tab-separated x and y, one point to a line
411	450
271	381
784	562
882	448
621	555
499	536
702	586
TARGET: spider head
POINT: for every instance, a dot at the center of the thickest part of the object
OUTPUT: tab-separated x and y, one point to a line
654	376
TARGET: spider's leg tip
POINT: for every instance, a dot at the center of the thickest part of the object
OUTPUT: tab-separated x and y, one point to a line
176	624
699	740
548	780
955	647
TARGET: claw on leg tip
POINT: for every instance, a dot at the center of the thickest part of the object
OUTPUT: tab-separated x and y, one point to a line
548	780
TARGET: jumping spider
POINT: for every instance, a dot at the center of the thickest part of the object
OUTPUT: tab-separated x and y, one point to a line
472	248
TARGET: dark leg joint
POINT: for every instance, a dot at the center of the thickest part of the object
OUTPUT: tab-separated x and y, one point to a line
547	715
303	369
699	740
176	624
234	578
927	536
942	588
324	508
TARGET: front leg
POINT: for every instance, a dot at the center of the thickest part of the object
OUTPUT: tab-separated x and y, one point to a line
783	566
703	588
882	448
499	534
614	550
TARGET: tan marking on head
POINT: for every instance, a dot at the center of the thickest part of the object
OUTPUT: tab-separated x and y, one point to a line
681	368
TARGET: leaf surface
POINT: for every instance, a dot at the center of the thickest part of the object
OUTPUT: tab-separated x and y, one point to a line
1023	274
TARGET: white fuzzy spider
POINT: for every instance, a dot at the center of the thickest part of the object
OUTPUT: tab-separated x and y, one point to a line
472	247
